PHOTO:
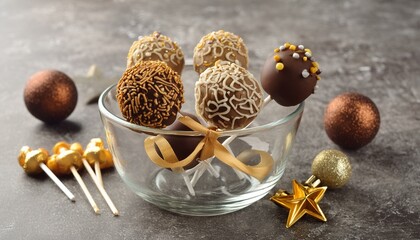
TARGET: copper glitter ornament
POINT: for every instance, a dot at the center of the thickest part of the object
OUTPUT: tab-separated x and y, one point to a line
351	120
50	96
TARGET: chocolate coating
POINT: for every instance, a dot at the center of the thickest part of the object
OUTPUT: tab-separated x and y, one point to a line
50	96
227	96
351	120
150	94
220	45
289	76
183	146
156	47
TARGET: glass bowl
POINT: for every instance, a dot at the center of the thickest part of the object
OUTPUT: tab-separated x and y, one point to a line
212	187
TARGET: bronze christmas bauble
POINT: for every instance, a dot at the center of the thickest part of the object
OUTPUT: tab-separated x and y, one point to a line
50	96
332	167
351	120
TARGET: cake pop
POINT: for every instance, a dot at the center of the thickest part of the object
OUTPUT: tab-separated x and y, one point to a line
156	47
220	45
290	74
183	146
68	158
150	94
33	162
50	96
228	96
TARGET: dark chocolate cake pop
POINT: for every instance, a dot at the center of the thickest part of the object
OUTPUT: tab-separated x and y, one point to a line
289	75
150	94
183	146
50	96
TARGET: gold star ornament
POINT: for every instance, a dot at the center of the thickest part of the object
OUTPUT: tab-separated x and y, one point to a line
304	200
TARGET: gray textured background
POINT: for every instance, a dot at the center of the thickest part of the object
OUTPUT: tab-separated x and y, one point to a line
371	47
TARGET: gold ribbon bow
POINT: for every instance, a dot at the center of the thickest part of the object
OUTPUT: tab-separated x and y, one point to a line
209	147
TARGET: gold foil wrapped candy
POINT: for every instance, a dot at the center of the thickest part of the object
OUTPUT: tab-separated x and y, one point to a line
33	162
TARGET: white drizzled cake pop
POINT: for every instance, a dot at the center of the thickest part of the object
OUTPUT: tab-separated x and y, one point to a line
228	96
156	47
220	45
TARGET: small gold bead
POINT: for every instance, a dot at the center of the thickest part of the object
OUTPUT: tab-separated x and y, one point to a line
292	47
287	45
279	66
305	59
313	69
318	78
315	64
276	58
276	50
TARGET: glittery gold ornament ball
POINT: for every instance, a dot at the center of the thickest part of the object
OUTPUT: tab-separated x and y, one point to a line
351	120
332	167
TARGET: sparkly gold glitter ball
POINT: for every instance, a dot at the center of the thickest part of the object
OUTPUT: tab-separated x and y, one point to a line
351	120
332	167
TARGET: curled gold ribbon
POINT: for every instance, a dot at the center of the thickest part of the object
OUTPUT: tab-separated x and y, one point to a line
209	147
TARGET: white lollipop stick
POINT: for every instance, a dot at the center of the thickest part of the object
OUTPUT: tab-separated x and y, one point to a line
226	143
85	190
188	183
57	181
201	168
98	173
100	188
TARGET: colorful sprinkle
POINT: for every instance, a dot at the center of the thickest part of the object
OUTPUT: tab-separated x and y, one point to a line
276	58
301	47
305	73
279	66
292	47
295	55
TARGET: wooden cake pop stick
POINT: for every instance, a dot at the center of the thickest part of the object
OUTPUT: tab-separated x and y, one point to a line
68	159
100	188
96	152
98	172
33	161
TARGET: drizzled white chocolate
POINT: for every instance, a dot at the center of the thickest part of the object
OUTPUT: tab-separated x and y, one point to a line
220	45
156	47
228	96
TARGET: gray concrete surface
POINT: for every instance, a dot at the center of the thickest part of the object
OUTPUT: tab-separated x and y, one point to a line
371	47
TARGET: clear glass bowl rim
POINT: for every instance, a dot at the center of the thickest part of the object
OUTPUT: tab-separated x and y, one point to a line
239	132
